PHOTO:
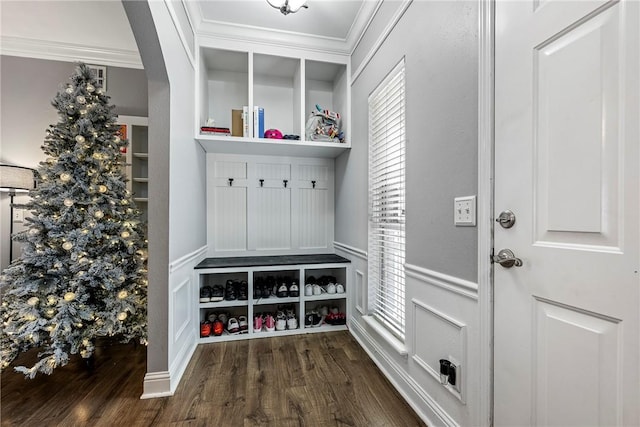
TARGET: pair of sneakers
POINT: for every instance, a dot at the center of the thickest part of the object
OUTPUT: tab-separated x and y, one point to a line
208	328
238	325
213	293
312	319
266	322
311	289
285	290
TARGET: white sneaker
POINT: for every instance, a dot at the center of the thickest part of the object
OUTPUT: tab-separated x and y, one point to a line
317	290
339	288
308	289
281	321
331	288
292	323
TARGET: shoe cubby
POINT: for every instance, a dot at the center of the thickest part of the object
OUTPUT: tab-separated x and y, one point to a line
234	323
263	275
225	280
318	281
324	315
281	286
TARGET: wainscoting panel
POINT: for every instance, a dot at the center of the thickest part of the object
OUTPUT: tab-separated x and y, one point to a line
446	340
182	326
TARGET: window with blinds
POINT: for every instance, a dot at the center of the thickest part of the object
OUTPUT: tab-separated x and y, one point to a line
387	200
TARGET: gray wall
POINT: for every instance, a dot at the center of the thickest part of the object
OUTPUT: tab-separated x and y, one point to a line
28	85
441	119
439	42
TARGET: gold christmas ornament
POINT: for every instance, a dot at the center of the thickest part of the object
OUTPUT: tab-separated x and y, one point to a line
122	294
122	316
102	189
67	246
125	234
80	139
90	88
116	139
68	202
52	300
81	99
69	296
98	214
69	90
65	177
33	301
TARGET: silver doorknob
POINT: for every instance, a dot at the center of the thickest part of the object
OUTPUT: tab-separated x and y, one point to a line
507	259
506	219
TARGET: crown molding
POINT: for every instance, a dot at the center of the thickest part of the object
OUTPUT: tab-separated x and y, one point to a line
68	52
213	29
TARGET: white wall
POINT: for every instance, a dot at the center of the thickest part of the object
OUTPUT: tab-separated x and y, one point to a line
439	40
178	187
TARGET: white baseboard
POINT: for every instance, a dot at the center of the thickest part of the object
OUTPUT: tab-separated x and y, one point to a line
425	407
181	362
156	384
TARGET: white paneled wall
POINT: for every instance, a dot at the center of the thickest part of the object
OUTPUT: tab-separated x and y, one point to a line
228	203
269	205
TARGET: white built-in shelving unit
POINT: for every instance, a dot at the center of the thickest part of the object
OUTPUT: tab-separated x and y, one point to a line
269	197
137	159
216	272
287	87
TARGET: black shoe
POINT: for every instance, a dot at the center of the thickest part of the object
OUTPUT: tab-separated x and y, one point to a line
282	291
230	291
294	290
205	294
217	293
243	291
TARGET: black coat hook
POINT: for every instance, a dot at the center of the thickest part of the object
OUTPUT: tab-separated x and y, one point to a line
230	182
261	182
285	182
313	183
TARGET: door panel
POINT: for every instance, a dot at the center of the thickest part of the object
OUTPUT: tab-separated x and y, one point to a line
576	120
576	367
567	159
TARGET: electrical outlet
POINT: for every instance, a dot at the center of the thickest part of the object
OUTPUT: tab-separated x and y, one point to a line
18	215
455	369
464	211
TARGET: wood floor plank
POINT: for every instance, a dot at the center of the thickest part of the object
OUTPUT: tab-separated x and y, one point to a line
312	380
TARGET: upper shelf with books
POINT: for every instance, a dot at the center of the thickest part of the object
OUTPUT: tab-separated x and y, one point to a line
285	90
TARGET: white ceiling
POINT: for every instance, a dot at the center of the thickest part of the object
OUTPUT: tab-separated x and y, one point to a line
98	31
325	18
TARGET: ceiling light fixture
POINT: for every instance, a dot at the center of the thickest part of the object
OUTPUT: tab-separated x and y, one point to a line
288	6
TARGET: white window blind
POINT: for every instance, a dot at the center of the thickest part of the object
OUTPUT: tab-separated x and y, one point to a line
387	200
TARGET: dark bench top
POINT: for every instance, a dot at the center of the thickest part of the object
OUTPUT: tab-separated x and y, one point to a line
256	261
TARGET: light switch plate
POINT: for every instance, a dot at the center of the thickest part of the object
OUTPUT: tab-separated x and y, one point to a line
18	215
464	211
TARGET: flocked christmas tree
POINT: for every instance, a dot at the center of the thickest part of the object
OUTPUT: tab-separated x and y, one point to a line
82	271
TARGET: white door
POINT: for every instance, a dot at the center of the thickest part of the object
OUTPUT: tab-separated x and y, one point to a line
567	164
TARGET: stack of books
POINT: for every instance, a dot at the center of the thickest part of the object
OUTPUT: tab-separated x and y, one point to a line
211	130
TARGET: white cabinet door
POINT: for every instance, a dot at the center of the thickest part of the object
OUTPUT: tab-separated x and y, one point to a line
270	206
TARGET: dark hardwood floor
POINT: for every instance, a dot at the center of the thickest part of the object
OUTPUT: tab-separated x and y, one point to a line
306	380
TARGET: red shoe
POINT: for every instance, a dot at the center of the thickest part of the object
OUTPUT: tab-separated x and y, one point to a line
218	328
205	329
